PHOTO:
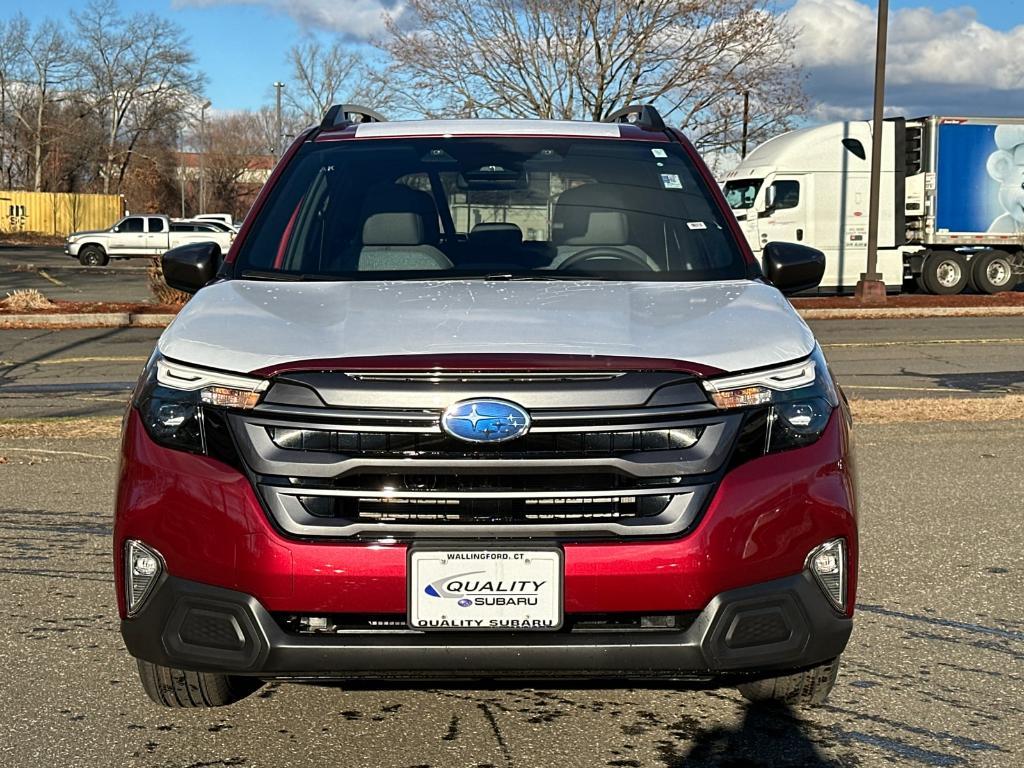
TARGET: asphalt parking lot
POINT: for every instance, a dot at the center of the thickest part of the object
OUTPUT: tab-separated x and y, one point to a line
58	276
933	675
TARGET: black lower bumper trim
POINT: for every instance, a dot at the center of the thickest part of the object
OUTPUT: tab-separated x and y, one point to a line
770	627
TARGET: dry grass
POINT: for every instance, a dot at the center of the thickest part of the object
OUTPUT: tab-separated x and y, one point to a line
1002	408
24	300
98	426
162	291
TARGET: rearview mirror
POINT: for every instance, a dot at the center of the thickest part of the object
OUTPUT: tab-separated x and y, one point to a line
792	268
189	267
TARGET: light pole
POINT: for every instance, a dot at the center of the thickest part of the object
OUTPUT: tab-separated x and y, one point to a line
278	137
202	152
746	124
871	285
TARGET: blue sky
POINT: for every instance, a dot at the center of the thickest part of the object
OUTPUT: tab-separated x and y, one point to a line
973	65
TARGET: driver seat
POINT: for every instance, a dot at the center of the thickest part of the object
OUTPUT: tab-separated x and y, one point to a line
592	216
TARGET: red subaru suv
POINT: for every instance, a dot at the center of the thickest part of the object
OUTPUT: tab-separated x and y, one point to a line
487	399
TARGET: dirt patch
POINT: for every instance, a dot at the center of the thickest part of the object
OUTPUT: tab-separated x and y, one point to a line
99	426
938	409
21	239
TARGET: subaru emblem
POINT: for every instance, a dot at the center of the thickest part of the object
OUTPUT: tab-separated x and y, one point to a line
485	421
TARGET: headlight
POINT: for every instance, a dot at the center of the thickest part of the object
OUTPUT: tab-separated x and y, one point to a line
795	400
175	401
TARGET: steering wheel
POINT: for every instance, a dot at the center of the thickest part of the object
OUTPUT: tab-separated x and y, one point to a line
602	252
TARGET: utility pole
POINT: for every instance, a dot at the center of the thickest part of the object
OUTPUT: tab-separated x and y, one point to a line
181	175
202	155
871	286
746	124
278	135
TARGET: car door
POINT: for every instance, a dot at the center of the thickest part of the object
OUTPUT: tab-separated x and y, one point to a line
784	217
130	238
156	236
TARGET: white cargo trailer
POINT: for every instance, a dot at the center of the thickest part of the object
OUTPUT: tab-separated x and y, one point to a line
952	201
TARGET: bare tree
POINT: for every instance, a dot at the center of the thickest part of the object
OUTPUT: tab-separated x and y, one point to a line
46	76
323	75
140	76
237	160
13	35
574	59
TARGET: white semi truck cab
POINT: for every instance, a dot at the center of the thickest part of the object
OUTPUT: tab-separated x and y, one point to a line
951	208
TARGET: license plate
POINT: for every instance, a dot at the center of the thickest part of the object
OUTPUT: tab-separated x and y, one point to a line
497	590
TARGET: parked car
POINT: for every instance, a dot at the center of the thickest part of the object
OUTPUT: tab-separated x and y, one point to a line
223	218
207	224
142	235
487	399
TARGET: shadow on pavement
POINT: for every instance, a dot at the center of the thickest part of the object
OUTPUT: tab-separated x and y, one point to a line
769	735
992	382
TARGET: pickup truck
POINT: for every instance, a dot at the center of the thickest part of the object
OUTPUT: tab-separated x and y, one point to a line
141	235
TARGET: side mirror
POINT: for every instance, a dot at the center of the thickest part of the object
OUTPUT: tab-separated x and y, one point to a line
115	228
792	268
189	267
770	199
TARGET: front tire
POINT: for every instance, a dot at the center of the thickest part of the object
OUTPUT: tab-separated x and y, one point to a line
93	256
945	273
181	689
802	689
992	272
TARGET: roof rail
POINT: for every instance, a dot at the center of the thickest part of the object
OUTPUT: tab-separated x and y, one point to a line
350	114
643	116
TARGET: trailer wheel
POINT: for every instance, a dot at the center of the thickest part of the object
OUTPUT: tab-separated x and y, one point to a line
945	273
992	272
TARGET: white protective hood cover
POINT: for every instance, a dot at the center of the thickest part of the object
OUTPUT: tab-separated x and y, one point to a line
245	325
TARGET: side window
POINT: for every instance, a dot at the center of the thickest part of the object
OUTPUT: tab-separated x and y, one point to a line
132	224
156	225
787	194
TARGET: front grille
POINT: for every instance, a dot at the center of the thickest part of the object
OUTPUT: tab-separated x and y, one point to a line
376	462
484	511
440	445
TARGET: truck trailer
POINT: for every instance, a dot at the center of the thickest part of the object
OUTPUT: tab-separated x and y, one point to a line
951	206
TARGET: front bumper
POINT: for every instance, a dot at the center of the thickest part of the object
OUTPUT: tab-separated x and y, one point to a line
763	629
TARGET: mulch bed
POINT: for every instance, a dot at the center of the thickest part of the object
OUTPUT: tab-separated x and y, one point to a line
96	307
914	301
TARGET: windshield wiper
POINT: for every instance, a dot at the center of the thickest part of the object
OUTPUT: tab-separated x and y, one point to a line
256	274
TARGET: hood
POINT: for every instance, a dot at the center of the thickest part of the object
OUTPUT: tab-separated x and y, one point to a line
89	232
245	326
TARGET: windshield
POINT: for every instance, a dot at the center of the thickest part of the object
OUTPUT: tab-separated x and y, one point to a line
740	194
538	208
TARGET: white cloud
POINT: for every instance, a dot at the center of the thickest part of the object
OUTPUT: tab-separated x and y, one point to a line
939	62
360	19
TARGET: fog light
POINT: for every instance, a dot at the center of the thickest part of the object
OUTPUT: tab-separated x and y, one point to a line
143	567
828	565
